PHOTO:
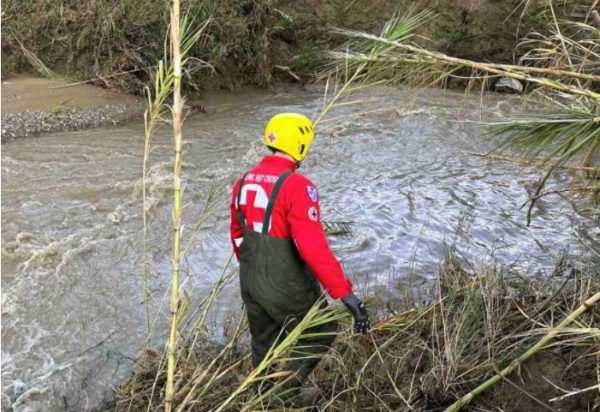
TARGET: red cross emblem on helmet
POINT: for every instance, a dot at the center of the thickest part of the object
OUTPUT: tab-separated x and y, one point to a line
272	137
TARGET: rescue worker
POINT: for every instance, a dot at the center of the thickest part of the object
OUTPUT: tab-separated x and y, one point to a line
281	246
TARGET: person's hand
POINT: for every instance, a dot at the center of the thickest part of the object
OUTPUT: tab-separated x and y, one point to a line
362	324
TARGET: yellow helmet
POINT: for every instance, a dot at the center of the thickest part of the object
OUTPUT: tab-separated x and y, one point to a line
291	133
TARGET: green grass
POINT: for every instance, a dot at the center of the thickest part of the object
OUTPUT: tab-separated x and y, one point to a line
309	61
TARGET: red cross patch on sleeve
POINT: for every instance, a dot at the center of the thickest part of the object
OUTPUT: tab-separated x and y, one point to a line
313	214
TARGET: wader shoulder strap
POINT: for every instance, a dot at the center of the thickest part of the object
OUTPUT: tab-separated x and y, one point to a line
274	193
240	215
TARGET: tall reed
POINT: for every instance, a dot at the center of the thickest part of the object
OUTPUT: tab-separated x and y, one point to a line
177	110
168	80
156	96
154	108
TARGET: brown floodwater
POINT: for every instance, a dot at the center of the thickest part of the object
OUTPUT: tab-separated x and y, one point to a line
72	313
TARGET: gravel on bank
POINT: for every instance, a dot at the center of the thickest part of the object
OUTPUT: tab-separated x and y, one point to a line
33	122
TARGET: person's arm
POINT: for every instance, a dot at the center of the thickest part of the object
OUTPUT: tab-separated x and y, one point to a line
235	228
306	230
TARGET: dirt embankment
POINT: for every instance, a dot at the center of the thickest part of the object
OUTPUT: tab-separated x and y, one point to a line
252	42
33	93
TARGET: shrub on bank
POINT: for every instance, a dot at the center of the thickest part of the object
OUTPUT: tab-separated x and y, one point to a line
247	42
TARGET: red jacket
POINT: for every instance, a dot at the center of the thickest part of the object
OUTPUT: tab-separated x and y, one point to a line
295	215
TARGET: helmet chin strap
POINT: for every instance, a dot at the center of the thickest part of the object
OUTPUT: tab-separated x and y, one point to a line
298	164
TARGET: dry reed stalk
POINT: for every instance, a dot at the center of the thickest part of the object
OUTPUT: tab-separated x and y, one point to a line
145	266
224	277
204	372
539	162
577	392
352	76
315	316
176	110
465	400
35	61
122	73
408	53
152	114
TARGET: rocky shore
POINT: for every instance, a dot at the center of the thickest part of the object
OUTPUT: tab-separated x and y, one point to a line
33	122
34	105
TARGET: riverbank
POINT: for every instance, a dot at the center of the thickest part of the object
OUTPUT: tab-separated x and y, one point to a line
247	42
33	105
429	347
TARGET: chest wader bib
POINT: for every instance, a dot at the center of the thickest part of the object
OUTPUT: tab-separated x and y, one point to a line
278	290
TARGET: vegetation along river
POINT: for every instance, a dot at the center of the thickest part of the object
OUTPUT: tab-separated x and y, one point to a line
72	312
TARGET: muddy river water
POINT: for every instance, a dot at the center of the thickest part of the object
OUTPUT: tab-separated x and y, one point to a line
72	317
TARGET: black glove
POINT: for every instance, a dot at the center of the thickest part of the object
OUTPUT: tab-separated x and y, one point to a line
359	311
